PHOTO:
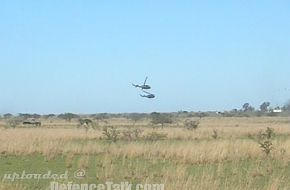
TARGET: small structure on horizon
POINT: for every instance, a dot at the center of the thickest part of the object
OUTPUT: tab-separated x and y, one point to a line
277	110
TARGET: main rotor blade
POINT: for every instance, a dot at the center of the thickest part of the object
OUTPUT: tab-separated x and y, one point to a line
145	80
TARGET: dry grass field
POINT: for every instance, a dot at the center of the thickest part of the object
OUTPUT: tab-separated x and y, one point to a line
222	153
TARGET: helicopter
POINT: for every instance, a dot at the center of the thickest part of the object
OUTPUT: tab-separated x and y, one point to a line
149	95
144	86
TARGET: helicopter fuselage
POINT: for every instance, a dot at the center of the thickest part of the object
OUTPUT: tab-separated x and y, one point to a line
148	96
143	87
146	87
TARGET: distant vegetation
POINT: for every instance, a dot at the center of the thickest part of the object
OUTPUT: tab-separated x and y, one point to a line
156	119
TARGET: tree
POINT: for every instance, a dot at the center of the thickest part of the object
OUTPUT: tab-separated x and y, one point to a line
286	107
202	114
68	116
101	116
7	115
251	109
264	106
135	117
28	115
24	115
49	116
248	108
188	124
235	110
158	118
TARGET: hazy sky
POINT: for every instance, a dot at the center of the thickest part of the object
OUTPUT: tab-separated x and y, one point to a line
81	56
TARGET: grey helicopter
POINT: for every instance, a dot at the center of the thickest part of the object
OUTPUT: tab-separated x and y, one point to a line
148	95
145	93
144	86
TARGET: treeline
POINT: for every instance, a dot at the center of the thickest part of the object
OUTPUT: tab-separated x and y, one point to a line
246	110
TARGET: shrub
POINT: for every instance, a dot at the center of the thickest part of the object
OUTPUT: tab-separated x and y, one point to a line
190	125
215	134
85	121
137	133
111	133
132	134
265	140
158	118
13	122
68	116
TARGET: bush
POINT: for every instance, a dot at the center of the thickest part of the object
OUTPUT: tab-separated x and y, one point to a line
111	133
158	118
132	134
215	134
265	140
13	123
190	125
86	123
68	116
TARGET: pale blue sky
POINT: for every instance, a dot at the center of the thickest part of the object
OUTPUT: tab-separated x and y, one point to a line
81	56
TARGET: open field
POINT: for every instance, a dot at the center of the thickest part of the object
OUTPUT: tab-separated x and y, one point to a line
222	153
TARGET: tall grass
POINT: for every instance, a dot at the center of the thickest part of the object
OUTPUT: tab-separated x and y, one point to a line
183	151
